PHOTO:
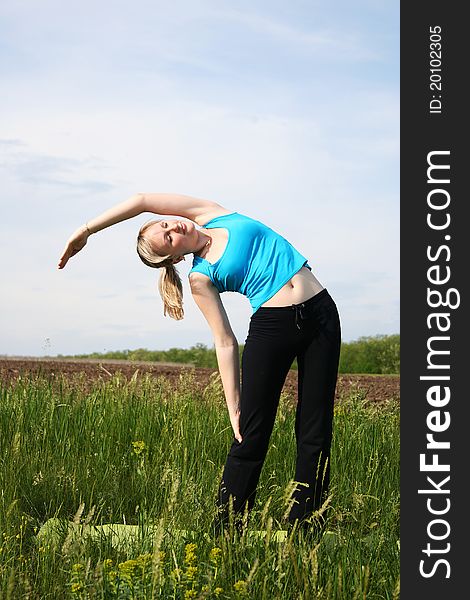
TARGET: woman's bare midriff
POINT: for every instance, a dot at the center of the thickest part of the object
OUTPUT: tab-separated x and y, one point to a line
300	288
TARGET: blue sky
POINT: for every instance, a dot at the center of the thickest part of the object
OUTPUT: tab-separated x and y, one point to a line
285	111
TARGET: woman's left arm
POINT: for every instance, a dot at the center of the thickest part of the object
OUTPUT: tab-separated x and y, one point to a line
208	300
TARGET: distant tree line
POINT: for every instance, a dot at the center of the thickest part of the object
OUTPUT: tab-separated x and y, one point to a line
378	354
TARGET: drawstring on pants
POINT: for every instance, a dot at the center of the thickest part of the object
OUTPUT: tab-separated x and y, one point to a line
298	313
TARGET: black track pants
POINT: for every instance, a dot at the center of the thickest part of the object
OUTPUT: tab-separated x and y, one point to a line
311	332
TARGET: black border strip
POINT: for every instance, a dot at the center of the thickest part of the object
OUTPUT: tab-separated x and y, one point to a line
433	261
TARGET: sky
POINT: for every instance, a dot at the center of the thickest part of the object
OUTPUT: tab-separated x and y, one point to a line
285	111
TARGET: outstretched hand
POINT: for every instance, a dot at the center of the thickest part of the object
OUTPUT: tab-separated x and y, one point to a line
75	243
235	421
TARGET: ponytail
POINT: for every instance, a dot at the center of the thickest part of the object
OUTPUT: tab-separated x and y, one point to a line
171	291
169	283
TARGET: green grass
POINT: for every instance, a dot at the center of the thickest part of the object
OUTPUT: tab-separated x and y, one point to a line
151	455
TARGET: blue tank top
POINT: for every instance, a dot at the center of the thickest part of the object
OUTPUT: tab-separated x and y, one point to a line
257	262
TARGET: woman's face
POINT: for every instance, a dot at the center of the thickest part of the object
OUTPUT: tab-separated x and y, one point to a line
174	237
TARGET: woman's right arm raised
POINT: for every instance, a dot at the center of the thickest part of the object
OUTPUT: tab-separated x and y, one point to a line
198	210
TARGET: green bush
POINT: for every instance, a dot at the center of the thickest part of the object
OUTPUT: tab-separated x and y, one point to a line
378	354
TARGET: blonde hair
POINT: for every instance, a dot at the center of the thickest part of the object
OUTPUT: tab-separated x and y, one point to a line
169	283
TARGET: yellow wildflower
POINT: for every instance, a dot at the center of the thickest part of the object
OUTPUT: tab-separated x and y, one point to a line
241	587
191	572
218	591
128	566
190	554
214	556
107	563
76	588
144	561
189	594
127	570
139	447
77	567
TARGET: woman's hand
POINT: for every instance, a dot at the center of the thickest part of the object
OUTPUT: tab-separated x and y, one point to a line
75	243
235	421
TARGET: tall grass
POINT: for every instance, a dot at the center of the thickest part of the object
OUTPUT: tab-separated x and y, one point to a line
148	454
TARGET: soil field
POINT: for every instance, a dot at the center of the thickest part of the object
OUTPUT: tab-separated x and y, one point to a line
374	388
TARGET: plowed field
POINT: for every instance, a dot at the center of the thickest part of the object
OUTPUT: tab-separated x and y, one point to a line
374	388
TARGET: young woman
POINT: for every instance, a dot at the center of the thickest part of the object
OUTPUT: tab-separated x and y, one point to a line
293	317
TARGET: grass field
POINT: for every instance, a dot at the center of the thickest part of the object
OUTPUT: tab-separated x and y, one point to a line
150	453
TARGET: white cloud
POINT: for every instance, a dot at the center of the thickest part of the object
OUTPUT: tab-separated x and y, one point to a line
328	43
